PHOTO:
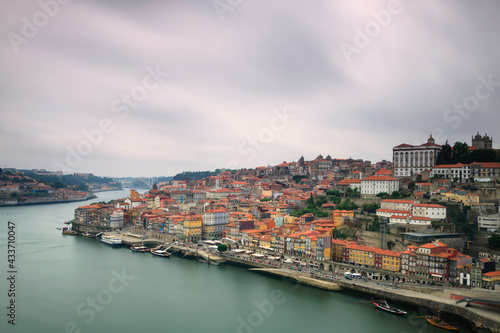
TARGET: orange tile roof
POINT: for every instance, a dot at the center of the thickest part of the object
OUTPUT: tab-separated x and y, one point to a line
399	201
379	178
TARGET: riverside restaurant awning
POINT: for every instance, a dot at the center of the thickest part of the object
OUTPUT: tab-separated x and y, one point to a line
258	255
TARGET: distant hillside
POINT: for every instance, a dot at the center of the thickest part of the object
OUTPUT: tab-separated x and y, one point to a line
81	182
195	175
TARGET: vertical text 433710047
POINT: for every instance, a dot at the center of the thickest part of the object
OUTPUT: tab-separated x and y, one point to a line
11	272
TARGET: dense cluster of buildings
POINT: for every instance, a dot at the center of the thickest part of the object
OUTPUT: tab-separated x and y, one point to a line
258	208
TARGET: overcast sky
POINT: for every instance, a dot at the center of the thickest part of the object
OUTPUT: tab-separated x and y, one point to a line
165	86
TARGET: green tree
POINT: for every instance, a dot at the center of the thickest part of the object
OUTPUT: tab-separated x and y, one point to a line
445	155
395	195
337	234
310	200
298	178
320	201
334	193
461	153
370	208
375	226
355	193
494	241
222	248
484	155
411	185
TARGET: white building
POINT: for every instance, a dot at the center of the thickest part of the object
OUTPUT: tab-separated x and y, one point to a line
432	211
373	185
489	222
116	219
397	204
451	171
408	159
410	212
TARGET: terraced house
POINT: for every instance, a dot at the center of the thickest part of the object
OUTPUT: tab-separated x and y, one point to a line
387	260
429	262
359	254
214	223
191	230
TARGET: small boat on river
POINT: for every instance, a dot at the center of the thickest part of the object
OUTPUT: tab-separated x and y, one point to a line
437	321
67	231
161	253
382	305
140	248
112	241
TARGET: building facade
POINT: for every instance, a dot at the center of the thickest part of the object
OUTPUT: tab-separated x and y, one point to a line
408	159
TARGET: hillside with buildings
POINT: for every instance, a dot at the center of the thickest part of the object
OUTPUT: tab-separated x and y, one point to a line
382	215
41	186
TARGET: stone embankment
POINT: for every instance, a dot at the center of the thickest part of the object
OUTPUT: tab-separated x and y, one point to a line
481	316
300	278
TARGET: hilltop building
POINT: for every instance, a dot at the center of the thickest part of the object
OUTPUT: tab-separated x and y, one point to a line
482	142
409	159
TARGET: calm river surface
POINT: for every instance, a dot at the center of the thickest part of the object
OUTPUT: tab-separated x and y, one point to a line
74	284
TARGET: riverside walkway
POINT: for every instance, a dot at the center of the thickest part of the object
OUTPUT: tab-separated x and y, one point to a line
482	316
185	251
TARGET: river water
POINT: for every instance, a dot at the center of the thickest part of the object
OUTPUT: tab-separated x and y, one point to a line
73	284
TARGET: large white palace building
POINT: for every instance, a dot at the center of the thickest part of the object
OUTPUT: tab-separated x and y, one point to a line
408	159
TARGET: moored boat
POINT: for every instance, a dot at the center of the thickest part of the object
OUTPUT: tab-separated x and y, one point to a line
67	231
89	235
382	305
139	248
161	253
112	241
437	321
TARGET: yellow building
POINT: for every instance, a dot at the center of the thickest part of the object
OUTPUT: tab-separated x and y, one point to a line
192	230
458	195
362	255
289	220
491	279
265	241
134	194
388	260
338	249
340	216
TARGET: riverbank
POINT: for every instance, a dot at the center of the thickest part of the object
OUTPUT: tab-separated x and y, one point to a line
480	316
434	299
48	202
110	190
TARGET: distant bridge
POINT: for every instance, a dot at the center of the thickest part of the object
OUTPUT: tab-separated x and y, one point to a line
132	182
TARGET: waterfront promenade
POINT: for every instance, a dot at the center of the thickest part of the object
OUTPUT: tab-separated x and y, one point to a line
436	299
423	296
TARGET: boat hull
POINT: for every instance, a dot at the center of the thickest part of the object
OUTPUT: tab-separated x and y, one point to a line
389	309
439	323
112	242
161	254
